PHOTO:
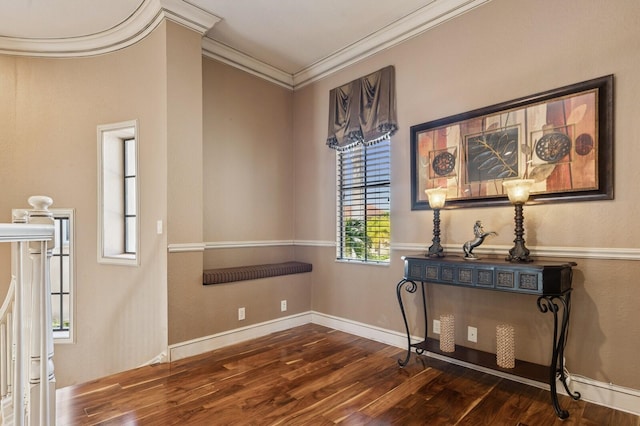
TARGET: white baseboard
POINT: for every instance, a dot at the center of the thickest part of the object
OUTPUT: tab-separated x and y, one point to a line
158	359
238	335
606	394
378	334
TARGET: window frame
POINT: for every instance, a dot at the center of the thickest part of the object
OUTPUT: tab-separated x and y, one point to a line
372	181
130	175
68	214
112	215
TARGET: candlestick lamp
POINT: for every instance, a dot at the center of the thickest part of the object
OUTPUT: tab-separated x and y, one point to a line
437	198
518	192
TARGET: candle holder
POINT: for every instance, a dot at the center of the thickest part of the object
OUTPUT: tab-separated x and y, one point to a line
437	198
505	346
518	192
447	333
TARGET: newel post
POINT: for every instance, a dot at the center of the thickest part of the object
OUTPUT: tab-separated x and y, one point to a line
41	408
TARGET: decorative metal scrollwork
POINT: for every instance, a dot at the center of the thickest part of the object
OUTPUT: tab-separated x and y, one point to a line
557	371
410	287
546	304
444	163
552	147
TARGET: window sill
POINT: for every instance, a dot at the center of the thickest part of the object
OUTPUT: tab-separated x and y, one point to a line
362	262
119	259
62	337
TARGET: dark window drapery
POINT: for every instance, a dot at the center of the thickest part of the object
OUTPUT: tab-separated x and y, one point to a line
363	111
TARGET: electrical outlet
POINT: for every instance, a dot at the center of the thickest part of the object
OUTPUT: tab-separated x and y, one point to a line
240	314
472	334
436	326
283	305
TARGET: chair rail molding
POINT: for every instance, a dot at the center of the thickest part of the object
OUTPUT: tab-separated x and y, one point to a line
603	253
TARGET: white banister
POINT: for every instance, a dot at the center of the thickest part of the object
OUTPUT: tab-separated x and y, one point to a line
41	376
6	335
27	387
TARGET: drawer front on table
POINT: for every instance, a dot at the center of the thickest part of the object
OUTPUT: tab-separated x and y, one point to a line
476	275
523	281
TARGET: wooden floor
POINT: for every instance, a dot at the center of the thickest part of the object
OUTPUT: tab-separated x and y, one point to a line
312	375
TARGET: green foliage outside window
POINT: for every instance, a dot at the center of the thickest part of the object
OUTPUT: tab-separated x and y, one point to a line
368	240
379	234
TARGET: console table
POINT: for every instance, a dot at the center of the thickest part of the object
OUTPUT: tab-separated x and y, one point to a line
549	281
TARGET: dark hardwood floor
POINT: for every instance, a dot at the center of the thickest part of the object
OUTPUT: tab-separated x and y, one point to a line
312	375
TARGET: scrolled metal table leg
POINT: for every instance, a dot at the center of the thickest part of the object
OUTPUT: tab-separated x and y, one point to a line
548	304
419	350
411	288
563	339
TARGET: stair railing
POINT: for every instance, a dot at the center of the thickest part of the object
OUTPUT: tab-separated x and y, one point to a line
27	384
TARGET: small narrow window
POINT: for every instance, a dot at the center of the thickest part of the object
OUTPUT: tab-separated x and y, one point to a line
130	207
118	193
61	276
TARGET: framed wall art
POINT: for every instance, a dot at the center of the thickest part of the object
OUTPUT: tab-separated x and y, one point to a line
562	138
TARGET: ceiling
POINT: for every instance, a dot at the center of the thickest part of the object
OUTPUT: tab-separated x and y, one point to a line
290	42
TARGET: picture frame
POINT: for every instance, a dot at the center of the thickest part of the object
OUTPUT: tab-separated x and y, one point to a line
561	138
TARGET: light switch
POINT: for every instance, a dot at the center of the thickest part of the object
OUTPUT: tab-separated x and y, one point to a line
159	227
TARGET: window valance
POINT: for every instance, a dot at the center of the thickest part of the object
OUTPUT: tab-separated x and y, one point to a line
363	111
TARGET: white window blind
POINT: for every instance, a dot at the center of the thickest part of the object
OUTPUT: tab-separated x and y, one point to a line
363	205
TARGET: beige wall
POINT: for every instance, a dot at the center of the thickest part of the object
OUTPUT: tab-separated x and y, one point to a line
184	134
501	51
248	154
248	197
184	171
49	147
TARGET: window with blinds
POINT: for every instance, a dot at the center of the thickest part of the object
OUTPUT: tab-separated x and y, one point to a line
363	205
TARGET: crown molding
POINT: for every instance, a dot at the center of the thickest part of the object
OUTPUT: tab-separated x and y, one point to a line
435	13
151	13
187	14
225	54
133	29
424	19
